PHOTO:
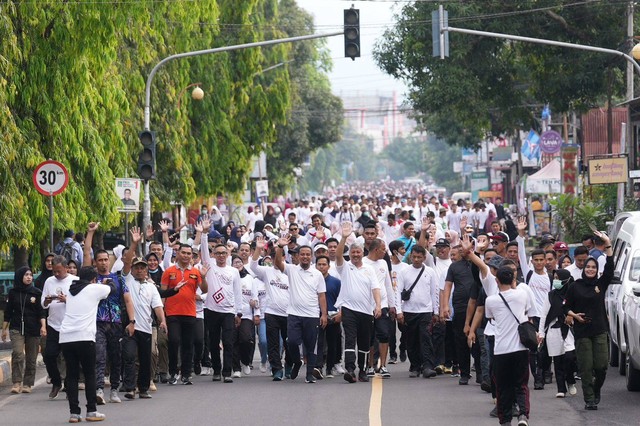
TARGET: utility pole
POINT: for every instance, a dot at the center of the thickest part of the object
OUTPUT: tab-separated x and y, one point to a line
626	146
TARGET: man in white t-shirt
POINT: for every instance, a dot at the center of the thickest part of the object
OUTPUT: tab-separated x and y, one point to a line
307	307
54	296
508	309
359	302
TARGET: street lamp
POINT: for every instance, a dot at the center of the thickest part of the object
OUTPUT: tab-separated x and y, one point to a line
197	93
636	52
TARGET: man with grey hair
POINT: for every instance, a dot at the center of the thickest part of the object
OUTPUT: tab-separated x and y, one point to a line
358	302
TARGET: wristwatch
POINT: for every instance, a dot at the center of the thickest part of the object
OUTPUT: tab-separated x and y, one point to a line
132	321
239	315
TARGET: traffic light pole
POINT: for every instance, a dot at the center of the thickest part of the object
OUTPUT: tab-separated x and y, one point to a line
146	205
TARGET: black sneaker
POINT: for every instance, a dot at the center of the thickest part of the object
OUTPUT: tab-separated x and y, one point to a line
494	412
144	395
216	377
590	406
173	380
403	356
164	377
362	376
227	379
350	376
186	380
393	360
310	379
130	394
485	386
548	377
463	381
317	373
596	396
538	385
55	390
197	369
295	369
371	372
428	373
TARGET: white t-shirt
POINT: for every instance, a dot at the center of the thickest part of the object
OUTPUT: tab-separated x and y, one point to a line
391	232
145	297
387	295
276	287
576	272
304	287
356	290
79	323
53	286
505	325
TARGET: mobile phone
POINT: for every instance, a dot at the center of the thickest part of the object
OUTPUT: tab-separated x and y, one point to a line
53	296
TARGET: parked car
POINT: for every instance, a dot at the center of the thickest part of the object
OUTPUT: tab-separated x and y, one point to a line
626	251
632	330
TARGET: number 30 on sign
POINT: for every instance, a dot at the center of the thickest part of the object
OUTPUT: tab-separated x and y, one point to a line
50	177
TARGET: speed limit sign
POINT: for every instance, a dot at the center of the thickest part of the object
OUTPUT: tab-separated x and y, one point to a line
50	177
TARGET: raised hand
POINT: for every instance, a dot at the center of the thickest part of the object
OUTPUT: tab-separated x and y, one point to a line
320	232
93	226
426	224
284	241
198	226
164	226
206	224
463	222
604	237
136	235
522	223
260	242
347	229
466	243
148	233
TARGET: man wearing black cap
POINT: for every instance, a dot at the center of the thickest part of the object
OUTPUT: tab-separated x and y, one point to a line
145	298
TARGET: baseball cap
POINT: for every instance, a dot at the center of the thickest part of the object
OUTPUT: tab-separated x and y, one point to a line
319	247
442	242
500	236
495	261
139	260
214	235
560	245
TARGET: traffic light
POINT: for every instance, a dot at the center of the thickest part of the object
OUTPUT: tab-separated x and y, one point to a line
147	158
352	33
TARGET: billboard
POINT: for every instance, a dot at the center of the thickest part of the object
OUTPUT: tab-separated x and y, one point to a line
608	170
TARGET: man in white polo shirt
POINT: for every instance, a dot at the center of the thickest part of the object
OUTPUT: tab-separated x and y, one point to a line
145	297
307	303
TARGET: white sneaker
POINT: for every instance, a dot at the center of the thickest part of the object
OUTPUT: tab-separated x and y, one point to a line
339	369
246	370
334	371
95	416
236	375
113	396
100	397
263	367
560	395
572	390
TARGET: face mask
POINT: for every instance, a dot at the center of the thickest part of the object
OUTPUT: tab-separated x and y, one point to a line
399	257
204	211
557	284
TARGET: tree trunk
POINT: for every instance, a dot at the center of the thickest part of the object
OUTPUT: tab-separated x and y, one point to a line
20	257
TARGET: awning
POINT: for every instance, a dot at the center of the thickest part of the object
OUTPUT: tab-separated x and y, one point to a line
547	180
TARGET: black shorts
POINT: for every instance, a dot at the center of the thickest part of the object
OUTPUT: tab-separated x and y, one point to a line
382	327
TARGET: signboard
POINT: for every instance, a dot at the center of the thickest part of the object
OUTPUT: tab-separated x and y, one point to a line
457	166
530	151
608	170
543	186
262	188
50	177
128	190
569	169
550	142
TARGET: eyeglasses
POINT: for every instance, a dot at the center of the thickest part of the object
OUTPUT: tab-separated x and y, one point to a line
220	253
293	229
195	254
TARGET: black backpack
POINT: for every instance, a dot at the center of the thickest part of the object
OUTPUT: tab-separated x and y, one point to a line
66	250
530	274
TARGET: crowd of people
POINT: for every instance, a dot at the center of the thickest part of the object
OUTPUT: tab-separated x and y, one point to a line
344	286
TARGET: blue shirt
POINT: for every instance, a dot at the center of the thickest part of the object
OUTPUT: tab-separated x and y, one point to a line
333	290
109	309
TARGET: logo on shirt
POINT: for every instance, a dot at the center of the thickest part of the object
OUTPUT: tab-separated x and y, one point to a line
193	276
223	279
173	276
278	284
218	296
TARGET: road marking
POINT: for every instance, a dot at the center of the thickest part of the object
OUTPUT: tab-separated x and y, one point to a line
375	403
9	399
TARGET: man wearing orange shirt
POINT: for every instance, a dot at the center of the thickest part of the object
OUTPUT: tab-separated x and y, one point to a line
180	312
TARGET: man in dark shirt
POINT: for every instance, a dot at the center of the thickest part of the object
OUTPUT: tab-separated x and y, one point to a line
331	333
460	275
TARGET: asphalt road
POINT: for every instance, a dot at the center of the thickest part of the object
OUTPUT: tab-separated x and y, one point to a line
256	400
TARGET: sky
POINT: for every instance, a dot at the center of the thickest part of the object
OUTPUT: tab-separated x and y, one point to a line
362	76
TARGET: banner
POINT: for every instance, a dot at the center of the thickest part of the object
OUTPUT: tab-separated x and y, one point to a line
128	190
608	170
569	169
531	150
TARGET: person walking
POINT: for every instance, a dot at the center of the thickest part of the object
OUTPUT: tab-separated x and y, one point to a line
24	322
585	305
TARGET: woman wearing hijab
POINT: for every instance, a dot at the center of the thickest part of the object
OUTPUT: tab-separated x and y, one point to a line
118	252
45	272
236	235
24	323
559	338
585	305
564	261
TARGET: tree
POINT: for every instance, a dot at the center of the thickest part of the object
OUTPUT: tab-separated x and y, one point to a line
492	85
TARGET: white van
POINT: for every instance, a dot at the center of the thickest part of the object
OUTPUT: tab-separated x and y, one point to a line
620	297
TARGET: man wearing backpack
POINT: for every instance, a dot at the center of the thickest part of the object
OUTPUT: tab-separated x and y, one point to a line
69	248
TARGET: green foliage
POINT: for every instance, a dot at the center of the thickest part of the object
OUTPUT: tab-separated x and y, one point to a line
575	216
72	79
493	85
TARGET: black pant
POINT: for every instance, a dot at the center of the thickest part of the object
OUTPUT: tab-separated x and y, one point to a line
450	354
511	373
539	360
137	345
438	333
276	330
51	353
80	355
419	345
198	342
303	330
393	346
181	328
221	325
357	328
244	342
462	348
206	353
564	366
320	347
